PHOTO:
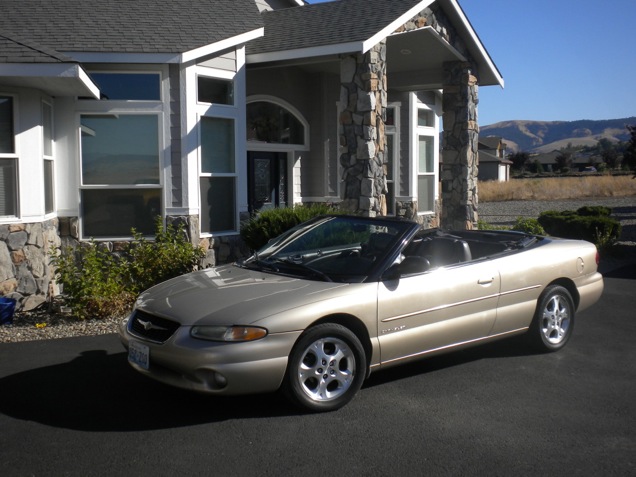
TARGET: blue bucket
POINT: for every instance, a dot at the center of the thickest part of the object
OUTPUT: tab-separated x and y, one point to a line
7	308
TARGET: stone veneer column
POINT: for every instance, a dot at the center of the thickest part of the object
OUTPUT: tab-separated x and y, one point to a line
459	153
363	101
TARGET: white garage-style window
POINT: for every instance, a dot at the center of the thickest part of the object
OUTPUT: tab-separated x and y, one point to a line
8	159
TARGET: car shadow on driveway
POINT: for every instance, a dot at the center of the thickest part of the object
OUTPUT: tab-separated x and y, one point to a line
99	392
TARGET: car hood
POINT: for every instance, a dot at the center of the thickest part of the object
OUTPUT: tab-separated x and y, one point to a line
232	295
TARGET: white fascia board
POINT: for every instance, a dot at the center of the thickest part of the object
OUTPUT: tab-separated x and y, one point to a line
78	79
485	56
84	78
221	45
315	51
395	24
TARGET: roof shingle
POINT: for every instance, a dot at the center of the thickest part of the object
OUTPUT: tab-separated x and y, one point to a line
327	23
131	26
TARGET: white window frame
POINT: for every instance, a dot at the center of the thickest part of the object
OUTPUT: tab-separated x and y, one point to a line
222	111
416	132
15	156
48	158
394	132
160	108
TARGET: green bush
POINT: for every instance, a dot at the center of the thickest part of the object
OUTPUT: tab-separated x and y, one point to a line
169	255
528	225
269	224
483	225
600	229
100	284
93	281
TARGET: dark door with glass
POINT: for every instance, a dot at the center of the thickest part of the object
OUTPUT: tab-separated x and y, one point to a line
267	180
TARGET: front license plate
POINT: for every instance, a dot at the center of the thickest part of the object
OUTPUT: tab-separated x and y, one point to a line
139	354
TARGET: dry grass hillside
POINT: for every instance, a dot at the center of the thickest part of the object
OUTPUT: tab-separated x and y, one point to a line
546	136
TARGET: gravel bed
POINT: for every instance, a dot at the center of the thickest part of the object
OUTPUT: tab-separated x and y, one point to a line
506	213
40	324
44	324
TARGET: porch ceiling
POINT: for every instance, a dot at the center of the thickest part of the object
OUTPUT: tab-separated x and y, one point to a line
414	60
58	79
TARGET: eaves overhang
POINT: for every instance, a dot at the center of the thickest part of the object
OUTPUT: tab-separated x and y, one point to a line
55	79
489	74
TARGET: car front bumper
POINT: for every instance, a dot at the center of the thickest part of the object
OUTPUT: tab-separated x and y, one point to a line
215	367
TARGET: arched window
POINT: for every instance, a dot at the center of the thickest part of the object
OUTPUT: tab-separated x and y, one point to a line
271	123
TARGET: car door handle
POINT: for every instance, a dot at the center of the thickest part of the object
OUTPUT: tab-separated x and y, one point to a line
486	281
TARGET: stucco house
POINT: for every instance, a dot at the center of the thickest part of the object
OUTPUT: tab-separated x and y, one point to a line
203	111
493	165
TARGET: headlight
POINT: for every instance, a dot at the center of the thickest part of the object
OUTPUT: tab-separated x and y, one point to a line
228	333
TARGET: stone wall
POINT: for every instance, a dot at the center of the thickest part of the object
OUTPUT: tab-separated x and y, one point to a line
459	147
363	101
26	274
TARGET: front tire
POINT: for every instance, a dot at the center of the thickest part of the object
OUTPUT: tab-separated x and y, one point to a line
553	321
326	368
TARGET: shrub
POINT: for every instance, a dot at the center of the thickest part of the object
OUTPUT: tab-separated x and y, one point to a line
528	225
269	224
483	225
97	283
93	281
601	229
168	256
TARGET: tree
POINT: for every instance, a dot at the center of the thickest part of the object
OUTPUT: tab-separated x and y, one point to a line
519	160
564	161
629	155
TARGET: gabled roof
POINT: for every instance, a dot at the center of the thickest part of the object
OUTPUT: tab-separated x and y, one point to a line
348	26
127	26
331	23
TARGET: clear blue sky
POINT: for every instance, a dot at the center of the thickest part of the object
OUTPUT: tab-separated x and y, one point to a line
561	60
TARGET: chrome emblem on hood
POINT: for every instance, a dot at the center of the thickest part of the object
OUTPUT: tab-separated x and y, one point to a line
148	325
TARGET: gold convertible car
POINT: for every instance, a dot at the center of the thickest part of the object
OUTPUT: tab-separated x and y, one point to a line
318	309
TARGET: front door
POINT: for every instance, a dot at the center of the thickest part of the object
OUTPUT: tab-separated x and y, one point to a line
267	180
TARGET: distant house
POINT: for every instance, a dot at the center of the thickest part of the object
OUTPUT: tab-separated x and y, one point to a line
548	160
493	165
205	111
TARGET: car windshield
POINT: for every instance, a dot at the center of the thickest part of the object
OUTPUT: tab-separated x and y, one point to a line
333	248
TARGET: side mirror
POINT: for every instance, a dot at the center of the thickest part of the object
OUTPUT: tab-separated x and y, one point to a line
411	265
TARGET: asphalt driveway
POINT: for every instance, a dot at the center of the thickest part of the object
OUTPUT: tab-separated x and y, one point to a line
73	407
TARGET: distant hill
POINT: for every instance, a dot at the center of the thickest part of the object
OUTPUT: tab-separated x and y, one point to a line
546	136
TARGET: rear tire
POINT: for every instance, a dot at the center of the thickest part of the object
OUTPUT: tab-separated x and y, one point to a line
553	321
326	368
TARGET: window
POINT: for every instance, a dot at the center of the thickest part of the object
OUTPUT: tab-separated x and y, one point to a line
215	90
426	174
6	125
218	175
47	151
8	160
128	86
425	145
271	123
120	174
391	131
